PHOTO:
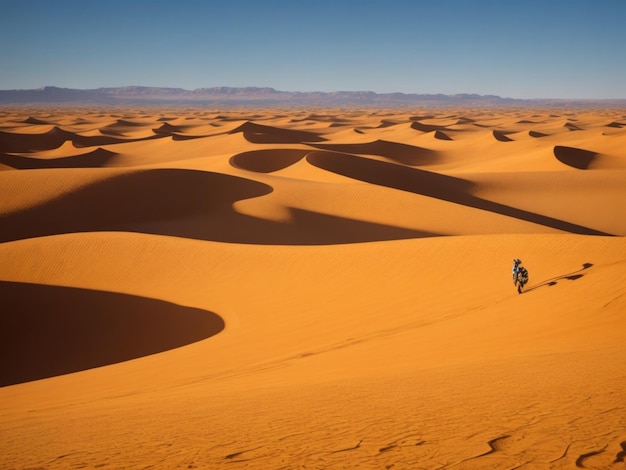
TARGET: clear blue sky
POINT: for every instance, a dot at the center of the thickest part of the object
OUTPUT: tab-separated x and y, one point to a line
511	48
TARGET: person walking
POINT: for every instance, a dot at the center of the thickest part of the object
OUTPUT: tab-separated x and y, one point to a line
520	275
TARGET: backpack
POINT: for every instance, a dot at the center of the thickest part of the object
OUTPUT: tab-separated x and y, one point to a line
522	275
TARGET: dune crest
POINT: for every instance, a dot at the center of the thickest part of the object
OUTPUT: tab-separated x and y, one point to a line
401	153
134	201
95	158
262	134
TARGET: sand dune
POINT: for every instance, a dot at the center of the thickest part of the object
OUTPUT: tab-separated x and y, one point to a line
49	331
128	200
501	136
397	152
95	158
261	134
268	161
192	288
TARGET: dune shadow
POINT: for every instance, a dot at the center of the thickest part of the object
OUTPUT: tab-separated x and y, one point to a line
268	160
571	126
46	331
127	123
401	153
11	142
440	135
573	276
420	126
431	184
501	136
34	120
126	201
574	157
94	159
314	228
168	129
261	134
186	203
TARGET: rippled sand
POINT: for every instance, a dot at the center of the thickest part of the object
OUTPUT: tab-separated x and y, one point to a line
187	288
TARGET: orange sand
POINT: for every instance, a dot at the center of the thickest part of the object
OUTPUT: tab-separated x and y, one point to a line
186	288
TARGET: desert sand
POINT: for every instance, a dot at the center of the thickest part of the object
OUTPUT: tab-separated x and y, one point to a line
193	288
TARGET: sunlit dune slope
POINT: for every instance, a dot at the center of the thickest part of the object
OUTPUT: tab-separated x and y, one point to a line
189	288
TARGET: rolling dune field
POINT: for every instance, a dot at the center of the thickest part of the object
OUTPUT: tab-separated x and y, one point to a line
330	288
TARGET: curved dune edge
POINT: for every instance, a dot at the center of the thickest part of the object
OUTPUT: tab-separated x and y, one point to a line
582	159
189	204
96	158
501	136
574	157
130	199
431	184
14	142
22	143
263	134
441	135
36	121
267	161
420	126
401	153
50	330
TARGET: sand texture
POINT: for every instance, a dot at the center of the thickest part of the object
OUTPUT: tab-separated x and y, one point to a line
189	288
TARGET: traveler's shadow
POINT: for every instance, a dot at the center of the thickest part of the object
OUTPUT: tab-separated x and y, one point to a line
573	276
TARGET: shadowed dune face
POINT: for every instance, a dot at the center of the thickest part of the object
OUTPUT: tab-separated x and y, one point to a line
167	129
401	153
419	126
441	135
34	120
574	157
190	204
93	159
11	142
262	134
391	175
47	331
430	184
22	143
501	136
16	142
267	161
132	199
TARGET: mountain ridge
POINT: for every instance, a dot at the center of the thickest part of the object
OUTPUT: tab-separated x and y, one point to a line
268	96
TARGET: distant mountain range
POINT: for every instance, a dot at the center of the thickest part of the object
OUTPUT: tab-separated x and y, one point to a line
255	96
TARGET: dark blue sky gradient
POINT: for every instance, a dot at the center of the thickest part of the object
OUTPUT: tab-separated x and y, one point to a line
520	49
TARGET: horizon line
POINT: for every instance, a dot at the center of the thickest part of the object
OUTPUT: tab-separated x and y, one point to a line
277	90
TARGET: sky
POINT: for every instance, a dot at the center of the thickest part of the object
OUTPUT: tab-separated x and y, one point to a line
510	48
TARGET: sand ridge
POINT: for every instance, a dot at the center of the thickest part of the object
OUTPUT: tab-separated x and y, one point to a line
312	288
